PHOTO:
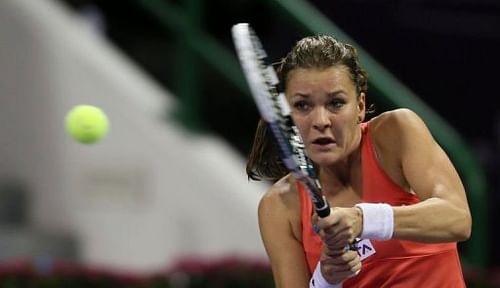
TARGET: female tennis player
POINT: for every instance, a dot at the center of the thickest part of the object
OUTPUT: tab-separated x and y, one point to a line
393	190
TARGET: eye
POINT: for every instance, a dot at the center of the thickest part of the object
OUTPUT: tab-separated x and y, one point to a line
302	105
335	104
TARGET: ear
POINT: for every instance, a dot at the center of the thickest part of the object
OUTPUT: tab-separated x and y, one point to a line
361	107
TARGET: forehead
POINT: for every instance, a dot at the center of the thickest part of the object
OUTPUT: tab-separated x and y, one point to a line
330	78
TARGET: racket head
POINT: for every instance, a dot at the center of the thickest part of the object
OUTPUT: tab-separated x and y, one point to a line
252	59
275	111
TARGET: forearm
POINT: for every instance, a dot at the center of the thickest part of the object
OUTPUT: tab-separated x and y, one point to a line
433	220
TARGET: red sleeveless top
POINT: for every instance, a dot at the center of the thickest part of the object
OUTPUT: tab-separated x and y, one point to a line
396	263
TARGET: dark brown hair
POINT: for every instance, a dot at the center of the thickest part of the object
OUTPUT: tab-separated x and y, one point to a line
320	51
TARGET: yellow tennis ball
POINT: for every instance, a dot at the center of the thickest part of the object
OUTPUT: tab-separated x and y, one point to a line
87	124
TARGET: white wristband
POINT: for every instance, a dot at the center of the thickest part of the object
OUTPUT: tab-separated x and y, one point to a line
378	221
318	281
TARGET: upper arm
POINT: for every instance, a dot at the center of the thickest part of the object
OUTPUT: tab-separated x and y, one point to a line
425	166
276	212
419	165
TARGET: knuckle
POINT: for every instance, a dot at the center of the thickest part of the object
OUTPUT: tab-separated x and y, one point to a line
350	231
346	257
353	255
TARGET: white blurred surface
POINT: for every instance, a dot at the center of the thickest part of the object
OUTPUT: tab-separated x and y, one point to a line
147	194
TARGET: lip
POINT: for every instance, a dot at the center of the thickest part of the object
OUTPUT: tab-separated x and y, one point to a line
320	147
323	143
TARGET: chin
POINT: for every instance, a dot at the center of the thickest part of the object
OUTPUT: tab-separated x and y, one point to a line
324	160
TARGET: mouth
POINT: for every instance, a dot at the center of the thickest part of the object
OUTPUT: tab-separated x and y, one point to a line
323	141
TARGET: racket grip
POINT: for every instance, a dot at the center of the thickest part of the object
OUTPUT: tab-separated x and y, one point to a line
322	208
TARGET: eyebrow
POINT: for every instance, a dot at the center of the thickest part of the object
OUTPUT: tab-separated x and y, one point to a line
335	93
330	94
301	95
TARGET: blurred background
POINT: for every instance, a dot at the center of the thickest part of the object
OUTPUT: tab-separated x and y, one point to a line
163	200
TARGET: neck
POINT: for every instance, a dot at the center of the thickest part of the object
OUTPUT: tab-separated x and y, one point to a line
343	173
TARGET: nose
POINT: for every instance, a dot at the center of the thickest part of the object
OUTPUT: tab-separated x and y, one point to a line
321	119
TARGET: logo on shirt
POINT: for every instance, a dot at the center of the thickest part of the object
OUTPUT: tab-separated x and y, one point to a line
364	248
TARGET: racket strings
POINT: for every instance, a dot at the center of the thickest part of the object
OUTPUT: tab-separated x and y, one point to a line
296	160
274	108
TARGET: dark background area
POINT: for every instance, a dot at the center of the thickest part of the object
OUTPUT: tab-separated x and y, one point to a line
446	51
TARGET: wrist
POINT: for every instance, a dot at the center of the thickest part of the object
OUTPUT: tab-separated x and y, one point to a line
359	225
377	221
318	281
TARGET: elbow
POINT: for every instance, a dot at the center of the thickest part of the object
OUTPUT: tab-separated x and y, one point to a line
465	230
464	235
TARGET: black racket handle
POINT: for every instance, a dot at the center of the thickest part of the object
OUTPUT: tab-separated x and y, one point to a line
322	208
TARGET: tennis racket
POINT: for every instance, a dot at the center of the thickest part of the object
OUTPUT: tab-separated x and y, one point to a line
275	111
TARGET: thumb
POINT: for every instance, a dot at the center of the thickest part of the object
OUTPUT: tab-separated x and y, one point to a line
327	222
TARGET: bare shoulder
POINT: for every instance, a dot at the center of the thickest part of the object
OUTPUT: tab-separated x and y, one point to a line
280	206
391	128
281	197
395	120
392	133
281	232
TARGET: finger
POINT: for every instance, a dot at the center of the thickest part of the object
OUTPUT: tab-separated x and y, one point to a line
355	262
334	254
335	274
333	233
314	218
338	239
341	226
339	247
344	274
337	251
340	259
356	269
338	272
317	229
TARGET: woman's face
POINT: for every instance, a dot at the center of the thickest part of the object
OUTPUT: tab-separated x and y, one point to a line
326	110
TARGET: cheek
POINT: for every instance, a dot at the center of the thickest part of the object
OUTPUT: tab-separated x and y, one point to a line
301	123
341	121
349	119
343	128
303	129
